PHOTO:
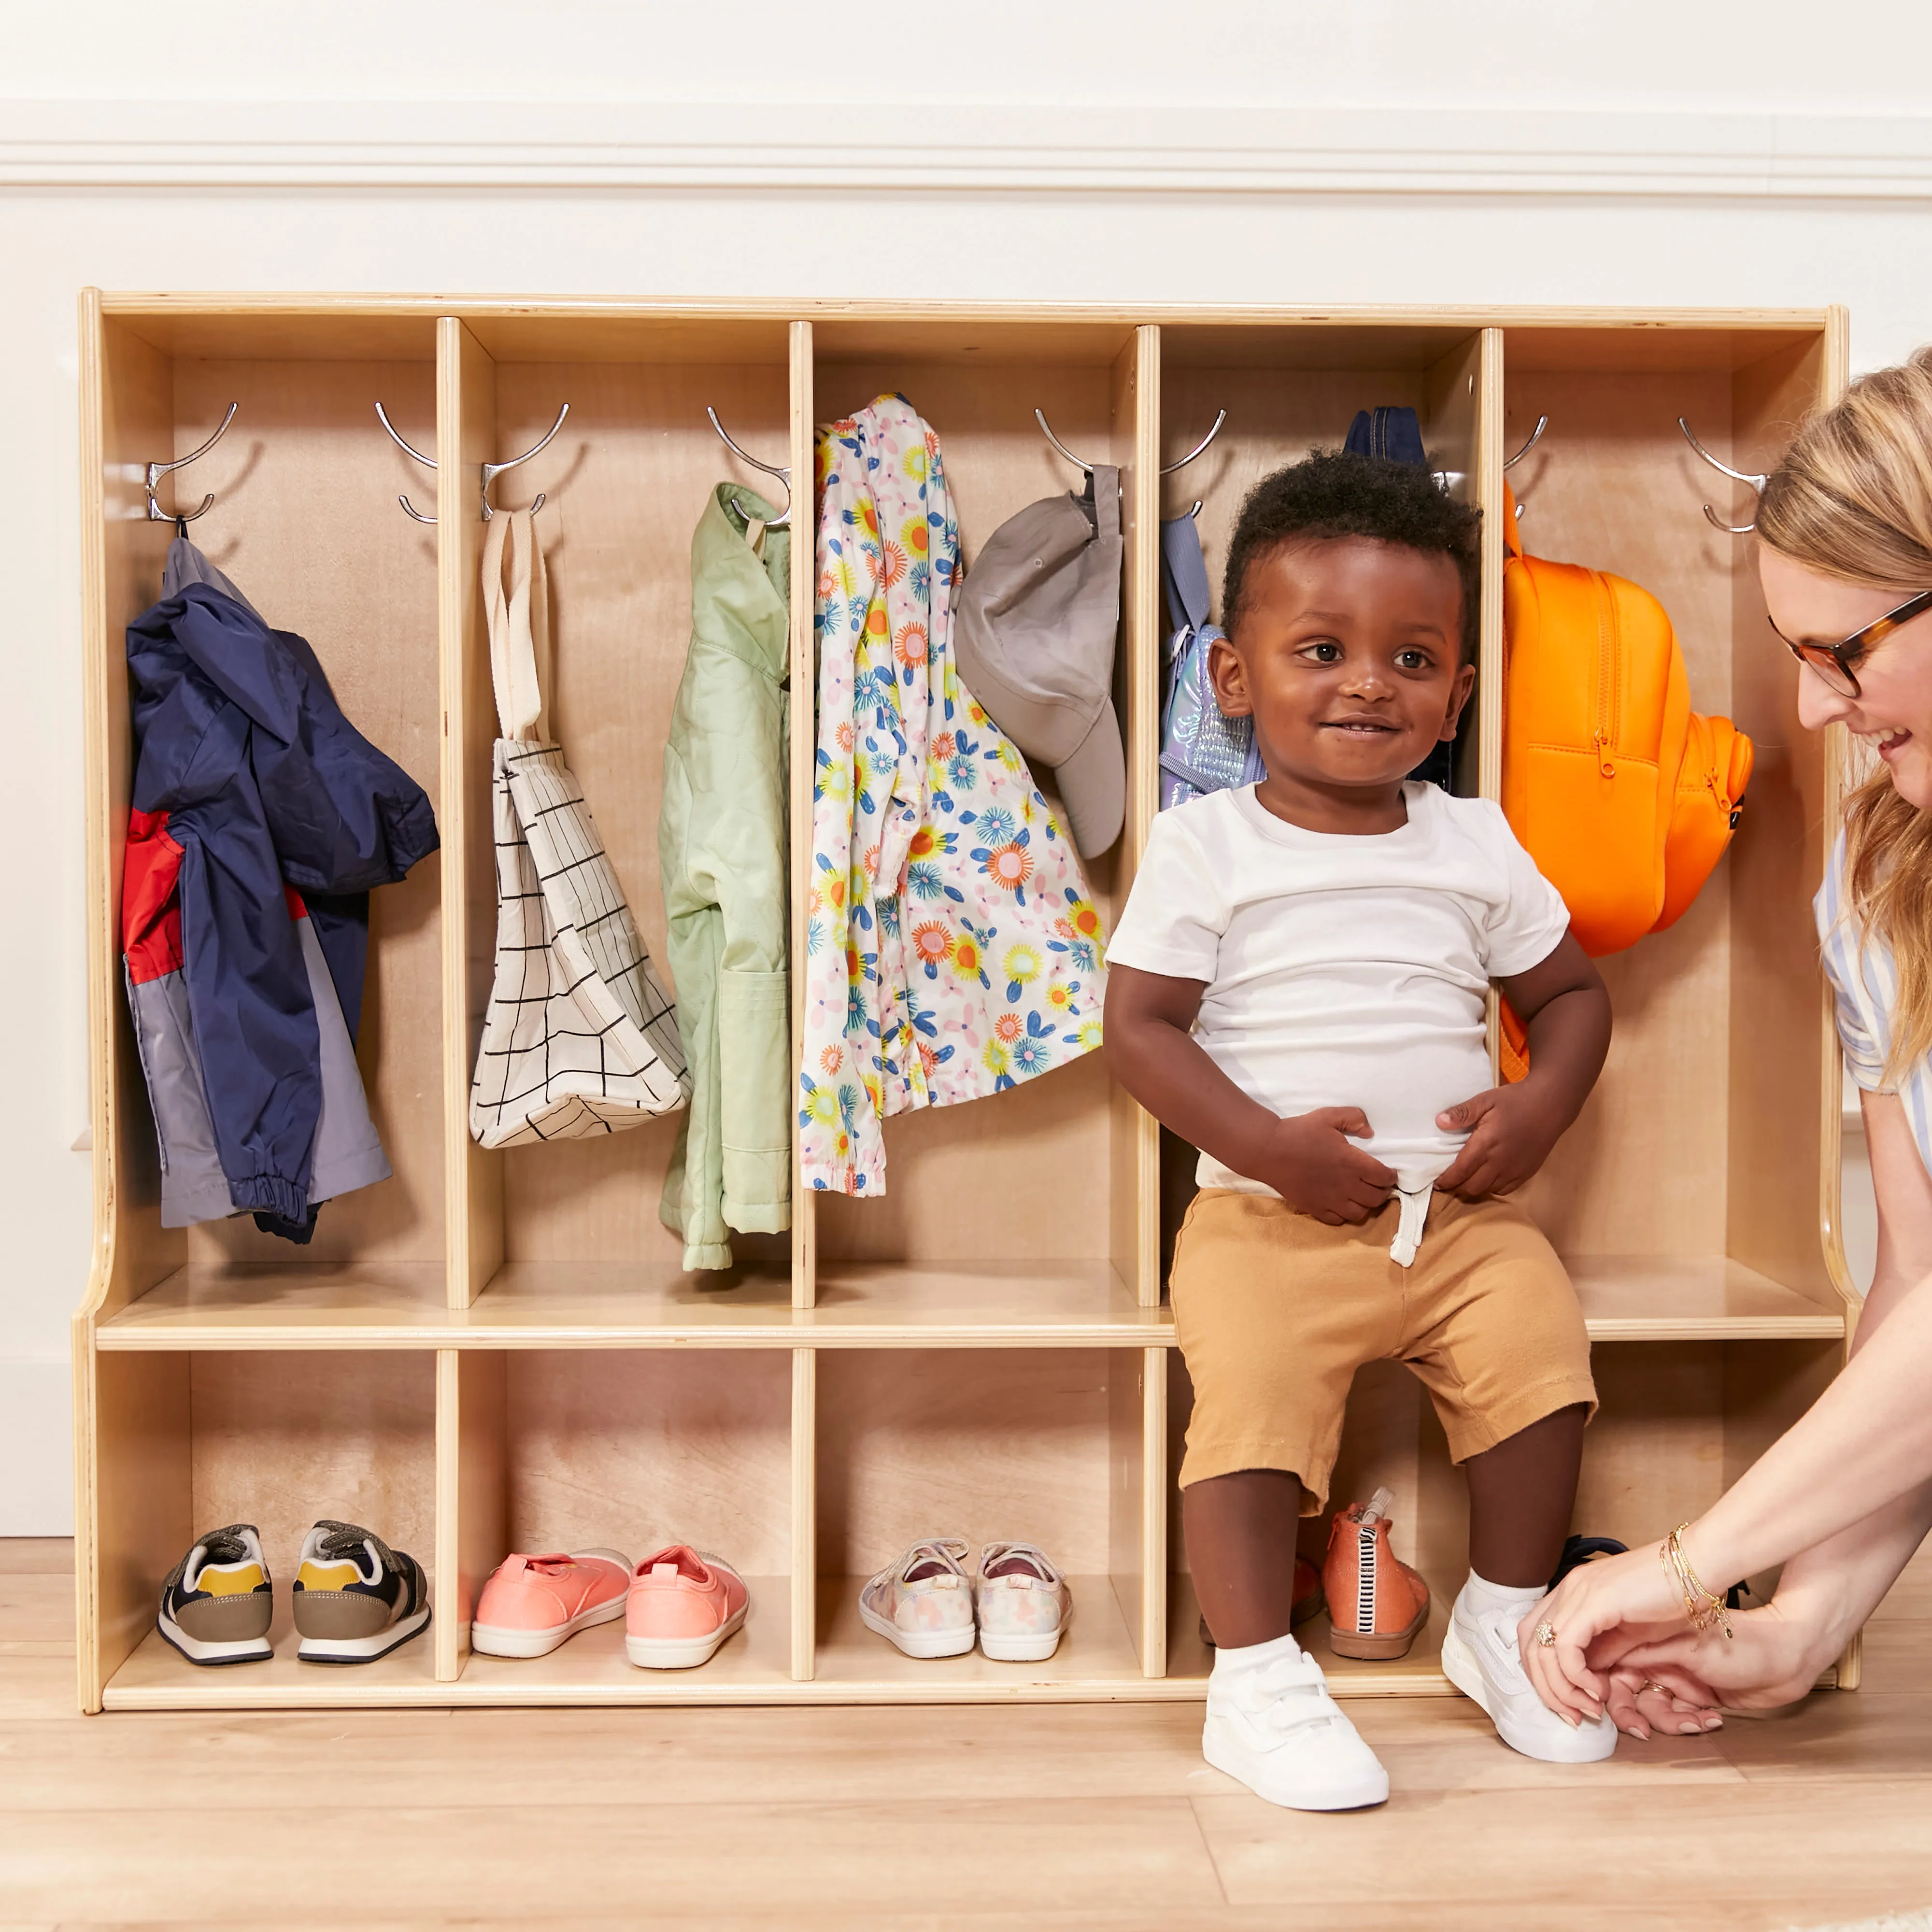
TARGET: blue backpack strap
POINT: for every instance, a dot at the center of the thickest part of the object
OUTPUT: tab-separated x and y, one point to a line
1183	574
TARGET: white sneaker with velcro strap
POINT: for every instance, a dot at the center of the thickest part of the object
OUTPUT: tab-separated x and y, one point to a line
924	1602
1272	1723
1024	1603
1479	1657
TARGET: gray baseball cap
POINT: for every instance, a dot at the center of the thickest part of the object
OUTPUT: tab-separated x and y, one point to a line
1033	634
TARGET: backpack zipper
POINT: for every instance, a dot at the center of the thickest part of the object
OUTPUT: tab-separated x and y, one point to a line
1607	674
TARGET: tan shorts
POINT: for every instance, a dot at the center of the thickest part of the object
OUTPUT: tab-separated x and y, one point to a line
1276	1311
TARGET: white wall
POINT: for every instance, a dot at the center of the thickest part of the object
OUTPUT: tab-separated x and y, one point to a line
1557	152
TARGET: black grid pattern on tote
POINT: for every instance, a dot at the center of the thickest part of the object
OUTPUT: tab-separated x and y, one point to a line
579	1037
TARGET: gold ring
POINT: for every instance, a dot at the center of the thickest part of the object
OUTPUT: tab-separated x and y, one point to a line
1546	1635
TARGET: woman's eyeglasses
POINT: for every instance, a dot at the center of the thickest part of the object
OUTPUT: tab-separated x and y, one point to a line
1835	664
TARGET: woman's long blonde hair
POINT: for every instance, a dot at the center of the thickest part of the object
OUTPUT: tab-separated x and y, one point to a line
1853	499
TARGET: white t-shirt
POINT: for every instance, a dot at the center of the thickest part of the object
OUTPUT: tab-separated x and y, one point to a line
1342	970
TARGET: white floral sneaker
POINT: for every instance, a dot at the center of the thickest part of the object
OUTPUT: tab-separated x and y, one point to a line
1272	1723
924	1602
1479	1657
1024	1603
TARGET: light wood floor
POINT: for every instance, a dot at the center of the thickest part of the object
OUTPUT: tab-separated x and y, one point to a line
1087	1816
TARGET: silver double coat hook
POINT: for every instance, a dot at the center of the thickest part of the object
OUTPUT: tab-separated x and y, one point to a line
1757	483
409	448
156	471
783	520
491	471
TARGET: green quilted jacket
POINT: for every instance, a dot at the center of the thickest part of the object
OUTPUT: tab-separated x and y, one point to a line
722	848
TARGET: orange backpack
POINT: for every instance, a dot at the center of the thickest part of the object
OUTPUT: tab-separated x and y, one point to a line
1624	796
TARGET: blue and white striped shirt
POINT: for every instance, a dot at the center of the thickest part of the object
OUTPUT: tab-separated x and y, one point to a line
1864	985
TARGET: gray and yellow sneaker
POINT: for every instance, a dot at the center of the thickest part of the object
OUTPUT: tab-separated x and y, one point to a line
217	1602
356	1599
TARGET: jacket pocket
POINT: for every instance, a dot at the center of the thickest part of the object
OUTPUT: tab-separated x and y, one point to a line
755	1098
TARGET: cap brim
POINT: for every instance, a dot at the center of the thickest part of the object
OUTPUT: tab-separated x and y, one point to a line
1092	786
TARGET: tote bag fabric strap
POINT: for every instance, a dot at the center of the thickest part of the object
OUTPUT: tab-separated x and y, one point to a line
517	601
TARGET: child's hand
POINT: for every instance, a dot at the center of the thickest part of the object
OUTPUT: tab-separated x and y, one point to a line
1511	1130
1313	1164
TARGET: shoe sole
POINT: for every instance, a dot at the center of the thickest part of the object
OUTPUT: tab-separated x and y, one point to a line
1228	1759
239	1650
1034	1647
499	1640
925	1645
1460	1667
363	1649
680	1653
1378	1646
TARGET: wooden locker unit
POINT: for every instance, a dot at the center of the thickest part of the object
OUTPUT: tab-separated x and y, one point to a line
501	1350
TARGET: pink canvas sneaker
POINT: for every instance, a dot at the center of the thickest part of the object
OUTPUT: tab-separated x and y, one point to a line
683	1605
1023	1602
532	1603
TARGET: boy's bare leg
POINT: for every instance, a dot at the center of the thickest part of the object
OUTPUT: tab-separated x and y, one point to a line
1240	1530
1521	1495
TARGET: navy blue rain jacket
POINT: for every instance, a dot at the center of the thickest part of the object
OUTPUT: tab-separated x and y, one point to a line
264	782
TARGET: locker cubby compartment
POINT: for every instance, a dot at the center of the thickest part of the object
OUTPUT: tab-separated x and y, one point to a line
1024	1206
304	521
280	1440
606	1448
1058	1446
1677	1423
567	1232
1687	1198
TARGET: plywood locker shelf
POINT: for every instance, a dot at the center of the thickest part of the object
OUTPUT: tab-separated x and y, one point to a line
509	1339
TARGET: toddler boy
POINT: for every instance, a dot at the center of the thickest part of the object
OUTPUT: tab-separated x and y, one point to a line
1297	986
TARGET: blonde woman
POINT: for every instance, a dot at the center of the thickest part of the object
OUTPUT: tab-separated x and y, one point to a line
1844	534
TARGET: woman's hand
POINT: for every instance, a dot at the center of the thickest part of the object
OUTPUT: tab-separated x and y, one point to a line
1642	1705
1593	1599
1768	1660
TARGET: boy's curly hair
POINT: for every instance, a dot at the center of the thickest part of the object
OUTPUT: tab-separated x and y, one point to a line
1332	493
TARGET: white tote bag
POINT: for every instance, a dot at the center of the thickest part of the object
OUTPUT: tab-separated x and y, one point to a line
580	1038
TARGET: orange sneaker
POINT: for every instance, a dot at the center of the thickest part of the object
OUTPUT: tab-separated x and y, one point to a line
1376	1605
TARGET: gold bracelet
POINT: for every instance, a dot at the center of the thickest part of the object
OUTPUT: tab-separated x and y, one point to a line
1701	1609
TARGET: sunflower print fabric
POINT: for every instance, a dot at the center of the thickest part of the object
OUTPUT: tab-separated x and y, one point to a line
953	947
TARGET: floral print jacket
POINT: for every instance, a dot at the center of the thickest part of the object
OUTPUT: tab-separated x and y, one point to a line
953	948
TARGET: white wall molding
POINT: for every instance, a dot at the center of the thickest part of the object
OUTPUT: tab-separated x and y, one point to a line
1132	150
